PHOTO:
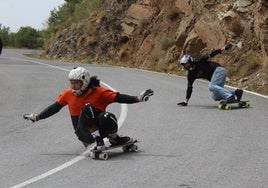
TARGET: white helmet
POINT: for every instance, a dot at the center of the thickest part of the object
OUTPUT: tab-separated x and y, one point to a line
186	58
80	73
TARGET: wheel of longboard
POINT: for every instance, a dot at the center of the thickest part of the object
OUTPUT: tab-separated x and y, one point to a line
93	155
220	106
134	148
99	155
243	104
130	148
227	107
103	156
224	107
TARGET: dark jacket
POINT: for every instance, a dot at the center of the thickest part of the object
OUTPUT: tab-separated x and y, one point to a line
201	68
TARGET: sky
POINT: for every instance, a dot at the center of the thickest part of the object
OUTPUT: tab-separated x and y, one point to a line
22	13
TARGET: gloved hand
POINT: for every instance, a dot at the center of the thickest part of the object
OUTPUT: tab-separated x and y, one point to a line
144	95
31	116
182	103
228	46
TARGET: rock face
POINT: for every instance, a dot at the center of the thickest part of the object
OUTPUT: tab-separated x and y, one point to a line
154	34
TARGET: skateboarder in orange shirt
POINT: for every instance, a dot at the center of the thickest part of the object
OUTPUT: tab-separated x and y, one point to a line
87	102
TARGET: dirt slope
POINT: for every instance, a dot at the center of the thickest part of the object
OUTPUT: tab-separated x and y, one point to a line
154	34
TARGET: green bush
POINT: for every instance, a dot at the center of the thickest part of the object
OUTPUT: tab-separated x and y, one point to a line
4	34
28	37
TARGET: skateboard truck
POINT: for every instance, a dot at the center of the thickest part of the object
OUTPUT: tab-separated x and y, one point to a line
103	154
224	105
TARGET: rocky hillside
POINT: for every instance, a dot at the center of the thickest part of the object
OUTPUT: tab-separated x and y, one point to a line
154	34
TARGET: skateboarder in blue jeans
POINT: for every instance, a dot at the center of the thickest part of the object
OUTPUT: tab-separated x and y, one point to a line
214	72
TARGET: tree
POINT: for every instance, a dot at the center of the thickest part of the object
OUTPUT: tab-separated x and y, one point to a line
28	37
62	16
4	31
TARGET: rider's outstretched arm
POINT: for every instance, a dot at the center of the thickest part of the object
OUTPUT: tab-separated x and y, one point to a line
47	112
128	99
218	51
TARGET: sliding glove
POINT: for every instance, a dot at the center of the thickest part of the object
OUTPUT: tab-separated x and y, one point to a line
228	46
144	95
31	117
182	103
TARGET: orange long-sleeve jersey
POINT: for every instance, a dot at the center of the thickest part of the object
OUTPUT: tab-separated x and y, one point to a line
98	97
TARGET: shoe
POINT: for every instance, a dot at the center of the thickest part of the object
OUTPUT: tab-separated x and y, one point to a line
231	99
120	140
238	94
99	144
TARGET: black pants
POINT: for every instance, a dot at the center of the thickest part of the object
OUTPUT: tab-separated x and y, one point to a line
105	122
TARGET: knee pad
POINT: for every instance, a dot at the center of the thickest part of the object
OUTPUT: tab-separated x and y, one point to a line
87	117
107	123
88	111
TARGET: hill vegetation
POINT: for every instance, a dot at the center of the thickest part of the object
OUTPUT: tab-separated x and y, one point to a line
26	37
154	34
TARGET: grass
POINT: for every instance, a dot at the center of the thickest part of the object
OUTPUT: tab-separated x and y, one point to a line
253	68
245	67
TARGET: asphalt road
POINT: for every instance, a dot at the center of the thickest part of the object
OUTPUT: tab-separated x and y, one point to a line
180	147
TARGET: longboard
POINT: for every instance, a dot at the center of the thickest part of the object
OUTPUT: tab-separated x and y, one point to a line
224	105
104	155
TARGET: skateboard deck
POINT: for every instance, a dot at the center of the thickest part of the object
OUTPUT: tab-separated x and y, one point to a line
104	155
224	105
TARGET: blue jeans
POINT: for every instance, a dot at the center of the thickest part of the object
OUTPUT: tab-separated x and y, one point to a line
216	85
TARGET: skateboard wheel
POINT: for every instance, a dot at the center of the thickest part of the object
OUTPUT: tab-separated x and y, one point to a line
130	148
99	155
227	107
220	106
134	148
103	156
243	105
93	155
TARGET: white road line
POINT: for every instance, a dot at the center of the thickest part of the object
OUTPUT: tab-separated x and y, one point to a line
82	156
37	62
